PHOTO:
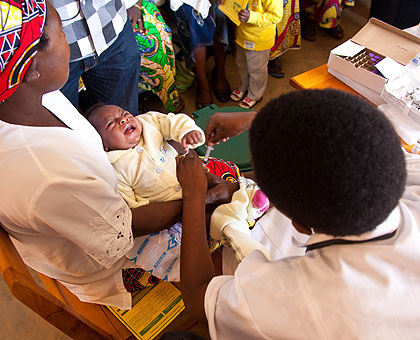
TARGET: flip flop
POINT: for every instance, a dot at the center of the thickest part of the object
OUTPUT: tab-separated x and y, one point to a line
201	105
336	32
181	105
275	68
248	103
237	95
223	95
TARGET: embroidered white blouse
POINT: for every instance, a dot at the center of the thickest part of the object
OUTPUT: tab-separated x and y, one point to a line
60	204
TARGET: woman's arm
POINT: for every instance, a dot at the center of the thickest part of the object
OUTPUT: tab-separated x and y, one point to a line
155	217
196	264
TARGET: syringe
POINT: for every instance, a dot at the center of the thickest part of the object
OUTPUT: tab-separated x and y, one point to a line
207	155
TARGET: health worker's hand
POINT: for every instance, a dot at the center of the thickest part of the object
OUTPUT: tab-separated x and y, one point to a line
223	125
191	138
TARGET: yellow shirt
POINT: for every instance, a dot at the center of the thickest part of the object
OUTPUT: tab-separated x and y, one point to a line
259	32
147	173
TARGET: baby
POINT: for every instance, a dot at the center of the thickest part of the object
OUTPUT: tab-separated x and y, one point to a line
145	167
138	148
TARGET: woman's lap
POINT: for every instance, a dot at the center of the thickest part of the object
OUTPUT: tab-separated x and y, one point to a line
165	245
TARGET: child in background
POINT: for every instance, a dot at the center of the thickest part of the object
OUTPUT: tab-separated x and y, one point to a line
255	36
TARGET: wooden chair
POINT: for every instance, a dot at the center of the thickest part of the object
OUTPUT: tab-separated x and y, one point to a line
57	305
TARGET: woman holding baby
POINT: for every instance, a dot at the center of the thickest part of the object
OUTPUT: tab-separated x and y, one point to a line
59	200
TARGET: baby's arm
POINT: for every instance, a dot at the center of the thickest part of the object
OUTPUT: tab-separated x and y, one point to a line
175	127
272	14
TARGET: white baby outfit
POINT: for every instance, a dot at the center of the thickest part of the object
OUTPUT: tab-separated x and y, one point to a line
147	174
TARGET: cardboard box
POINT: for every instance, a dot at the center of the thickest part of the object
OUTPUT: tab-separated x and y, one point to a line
398	46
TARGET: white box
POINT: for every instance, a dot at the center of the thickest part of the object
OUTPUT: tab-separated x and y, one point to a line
398	46
394	92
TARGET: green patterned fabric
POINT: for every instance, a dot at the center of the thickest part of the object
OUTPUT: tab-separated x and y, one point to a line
157	70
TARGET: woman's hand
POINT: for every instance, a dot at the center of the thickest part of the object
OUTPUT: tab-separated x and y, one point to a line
223	125
219	191
136	18
191	175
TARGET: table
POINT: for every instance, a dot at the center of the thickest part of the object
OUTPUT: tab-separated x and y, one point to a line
319	78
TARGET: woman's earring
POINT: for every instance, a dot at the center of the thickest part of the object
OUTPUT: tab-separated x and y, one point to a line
37	74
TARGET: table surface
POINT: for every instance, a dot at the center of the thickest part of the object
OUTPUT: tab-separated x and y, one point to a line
319	78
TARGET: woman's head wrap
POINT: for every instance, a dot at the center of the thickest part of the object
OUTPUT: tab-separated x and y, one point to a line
22	24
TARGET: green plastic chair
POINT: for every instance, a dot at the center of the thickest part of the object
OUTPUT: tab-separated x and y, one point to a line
236	149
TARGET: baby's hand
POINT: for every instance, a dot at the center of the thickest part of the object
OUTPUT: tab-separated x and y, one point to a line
191	138
243	15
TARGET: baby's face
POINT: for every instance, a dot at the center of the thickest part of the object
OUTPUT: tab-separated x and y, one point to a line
118	128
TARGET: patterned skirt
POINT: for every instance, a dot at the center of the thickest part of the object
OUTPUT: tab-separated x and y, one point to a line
157	68
288	30
326	13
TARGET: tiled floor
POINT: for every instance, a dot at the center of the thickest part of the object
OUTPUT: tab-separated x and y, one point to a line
18	322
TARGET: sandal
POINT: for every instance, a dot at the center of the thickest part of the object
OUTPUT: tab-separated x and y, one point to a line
181	105
248	103
237	95
336	32
204	103
201	105
275	68
222	95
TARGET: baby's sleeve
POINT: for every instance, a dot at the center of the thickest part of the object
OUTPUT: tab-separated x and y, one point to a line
174	126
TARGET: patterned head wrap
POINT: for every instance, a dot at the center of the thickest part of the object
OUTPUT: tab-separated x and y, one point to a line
22	23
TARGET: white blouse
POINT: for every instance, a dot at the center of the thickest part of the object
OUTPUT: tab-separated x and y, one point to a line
60	204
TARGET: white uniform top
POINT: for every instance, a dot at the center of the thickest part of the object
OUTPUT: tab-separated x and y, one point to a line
354	291
60	204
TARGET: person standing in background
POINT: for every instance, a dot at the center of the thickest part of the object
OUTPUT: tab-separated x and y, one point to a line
325	14
287	38
103	52
254	39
